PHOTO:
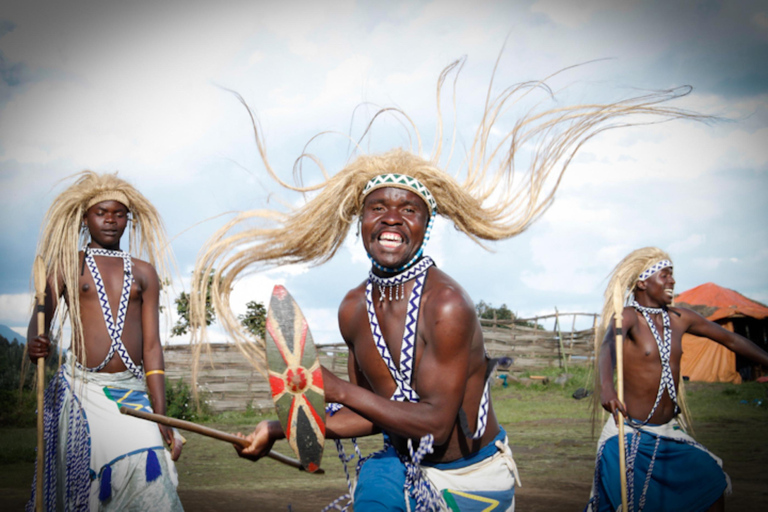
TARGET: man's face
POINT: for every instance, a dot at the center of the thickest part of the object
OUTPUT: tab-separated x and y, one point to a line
106	221
660	287
393	223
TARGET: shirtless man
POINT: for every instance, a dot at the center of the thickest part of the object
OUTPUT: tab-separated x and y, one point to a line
682	475
116	343
441	376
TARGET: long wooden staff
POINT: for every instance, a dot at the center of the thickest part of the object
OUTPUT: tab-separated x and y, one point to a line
620	392
209	432
40	278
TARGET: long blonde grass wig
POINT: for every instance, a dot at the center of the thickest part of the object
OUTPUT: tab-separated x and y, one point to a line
618	294
488	200
62	237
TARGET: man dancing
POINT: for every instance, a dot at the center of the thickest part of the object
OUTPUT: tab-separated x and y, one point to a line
418	371
666	469
95	457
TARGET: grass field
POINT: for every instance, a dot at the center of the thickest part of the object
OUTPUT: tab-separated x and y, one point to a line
549	431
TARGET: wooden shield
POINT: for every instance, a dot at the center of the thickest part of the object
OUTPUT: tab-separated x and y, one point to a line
295	378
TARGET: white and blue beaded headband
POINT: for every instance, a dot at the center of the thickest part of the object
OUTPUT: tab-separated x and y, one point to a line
413	185
653	269
404	182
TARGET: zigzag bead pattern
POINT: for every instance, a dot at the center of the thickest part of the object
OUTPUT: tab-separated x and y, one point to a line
665	347
383	180
404	375
114	325
653	269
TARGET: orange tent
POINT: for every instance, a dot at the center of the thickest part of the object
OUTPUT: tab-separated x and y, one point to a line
704	359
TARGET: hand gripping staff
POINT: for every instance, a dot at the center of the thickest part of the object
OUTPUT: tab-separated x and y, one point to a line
206	431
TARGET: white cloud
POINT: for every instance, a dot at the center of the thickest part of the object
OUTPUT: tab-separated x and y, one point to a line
15	310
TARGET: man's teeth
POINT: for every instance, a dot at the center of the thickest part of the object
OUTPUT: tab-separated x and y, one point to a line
390	239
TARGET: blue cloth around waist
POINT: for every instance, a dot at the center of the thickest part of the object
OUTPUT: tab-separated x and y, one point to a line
381	483
684	477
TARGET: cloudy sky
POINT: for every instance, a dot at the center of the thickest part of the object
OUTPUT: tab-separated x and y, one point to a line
143	88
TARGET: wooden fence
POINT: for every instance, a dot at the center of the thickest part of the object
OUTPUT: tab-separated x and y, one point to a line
230	383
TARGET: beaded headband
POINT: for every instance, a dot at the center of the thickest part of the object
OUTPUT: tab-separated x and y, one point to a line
653	269
109	195
404	182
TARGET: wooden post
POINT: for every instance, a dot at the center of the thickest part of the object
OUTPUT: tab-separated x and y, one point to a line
563	364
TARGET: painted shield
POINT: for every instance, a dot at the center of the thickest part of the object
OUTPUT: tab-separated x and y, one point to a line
295	378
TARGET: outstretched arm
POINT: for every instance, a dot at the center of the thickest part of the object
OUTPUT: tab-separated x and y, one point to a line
700	326
152	349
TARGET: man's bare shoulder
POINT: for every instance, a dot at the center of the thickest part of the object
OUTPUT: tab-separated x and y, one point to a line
685	315
352	305
144	271
629	318
444	297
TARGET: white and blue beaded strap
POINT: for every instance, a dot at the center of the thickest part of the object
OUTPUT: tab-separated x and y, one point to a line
114	325
653	269
404	374
665	347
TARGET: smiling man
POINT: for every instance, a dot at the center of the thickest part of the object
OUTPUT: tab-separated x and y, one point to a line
418	368
95	457
666	469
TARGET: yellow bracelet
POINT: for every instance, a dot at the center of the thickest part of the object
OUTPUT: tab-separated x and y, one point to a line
153	372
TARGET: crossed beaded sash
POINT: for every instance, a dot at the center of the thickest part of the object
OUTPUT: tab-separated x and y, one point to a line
114	324
404	374
665	346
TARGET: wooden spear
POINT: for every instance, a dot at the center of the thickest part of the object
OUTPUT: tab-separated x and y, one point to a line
209	432
40	279
620	392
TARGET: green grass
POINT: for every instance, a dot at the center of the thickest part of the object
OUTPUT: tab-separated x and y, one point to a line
549	431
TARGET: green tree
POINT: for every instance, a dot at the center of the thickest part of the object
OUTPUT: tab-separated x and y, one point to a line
182	308
255	319
487	310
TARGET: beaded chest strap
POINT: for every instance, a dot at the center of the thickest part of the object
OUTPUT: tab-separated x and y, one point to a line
114	324
665	348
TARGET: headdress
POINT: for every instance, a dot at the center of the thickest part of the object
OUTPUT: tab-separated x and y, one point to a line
487	202
61	237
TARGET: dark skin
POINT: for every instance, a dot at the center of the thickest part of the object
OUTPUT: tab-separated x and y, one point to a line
450	363
106	222
641	362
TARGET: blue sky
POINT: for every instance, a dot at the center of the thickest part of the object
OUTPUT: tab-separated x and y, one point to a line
141	88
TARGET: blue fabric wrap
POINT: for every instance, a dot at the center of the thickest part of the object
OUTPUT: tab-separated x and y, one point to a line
684	477
153	469
380	485
105	487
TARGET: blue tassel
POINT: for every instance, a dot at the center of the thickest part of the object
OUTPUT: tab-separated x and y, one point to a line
105	490
153	466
